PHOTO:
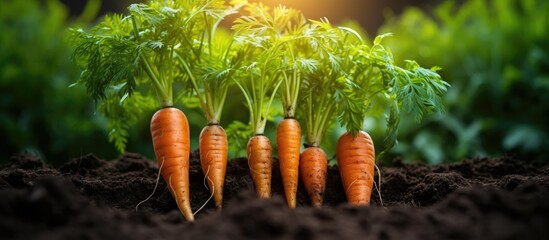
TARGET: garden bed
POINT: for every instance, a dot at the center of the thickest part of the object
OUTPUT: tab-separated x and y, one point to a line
90	198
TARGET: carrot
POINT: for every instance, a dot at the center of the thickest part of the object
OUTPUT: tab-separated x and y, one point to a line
171	143
356	159
313	168
213	159
260	160
288	142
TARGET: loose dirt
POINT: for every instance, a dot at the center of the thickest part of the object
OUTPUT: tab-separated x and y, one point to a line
91	198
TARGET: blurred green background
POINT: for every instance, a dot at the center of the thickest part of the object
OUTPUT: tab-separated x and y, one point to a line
495	54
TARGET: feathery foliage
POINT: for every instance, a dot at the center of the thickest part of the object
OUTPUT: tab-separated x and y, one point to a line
209	59
125	54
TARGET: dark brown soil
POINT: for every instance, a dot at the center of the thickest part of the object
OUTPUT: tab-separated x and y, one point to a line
90	198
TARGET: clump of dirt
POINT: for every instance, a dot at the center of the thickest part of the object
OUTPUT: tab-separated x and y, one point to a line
91	198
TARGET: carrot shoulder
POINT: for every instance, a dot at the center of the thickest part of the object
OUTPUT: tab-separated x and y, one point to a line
313	169
170	135
213	159
356	160
260	161
288	144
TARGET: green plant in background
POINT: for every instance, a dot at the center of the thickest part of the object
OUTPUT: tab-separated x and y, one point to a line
39	113
496	56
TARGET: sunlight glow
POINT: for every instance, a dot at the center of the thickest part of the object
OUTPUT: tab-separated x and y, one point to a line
367	12
304	5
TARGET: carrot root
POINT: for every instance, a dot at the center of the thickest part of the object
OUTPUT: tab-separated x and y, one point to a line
171	142
356	160
313	168
288	144
214	147
260	161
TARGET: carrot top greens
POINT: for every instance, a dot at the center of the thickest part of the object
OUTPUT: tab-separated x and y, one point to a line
328	70
209	59
138	52
260	78
283	31
352	80
322	87
375	79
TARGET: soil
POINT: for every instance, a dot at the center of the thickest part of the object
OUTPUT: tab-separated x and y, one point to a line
91	198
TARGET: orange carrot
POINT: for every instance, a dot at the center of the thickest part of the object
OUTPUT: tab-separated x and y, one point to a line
288	144
313	168
356	159
170	135
260	160
213	158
